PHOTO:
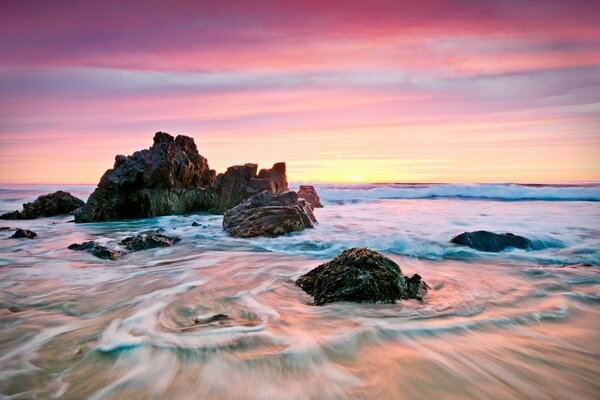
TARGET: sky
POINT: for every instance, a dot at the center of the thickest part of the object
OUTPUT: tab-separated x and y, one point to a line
342	91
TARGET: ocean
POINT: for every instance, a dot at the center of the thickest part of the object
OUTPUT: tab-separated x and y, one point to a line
519	324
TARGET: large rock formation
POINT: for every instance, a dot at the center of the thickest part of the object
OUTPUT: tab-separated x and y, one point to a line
308	193
171	177
361	275
490	241
48	205
240	182
269	214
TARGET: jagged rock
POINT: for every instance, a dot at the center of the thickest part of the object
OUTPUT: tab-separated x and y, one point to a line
361	275
269	214
97	250
47	205
144	242
171	177
308	193
24	233
240	182
490	241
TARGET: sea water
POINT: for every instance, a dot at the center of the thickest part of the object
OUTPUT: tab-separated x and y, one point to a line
519	324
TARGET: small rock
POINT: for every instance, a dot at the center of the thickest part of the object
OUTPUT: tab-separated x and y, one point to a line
361	275
97	250
490	241
195	224
214	318
5	228
144	242
23	233
308	193
48	205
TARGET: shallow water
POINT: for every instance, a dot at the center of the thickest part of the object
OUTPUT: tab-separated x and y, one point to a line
516	324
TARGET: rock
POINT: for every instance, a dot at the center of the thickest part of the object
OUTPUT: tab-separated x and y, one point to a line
308	193
240	182
490	241
145	242
5	228
23	233
269	214
195	224
171	177
97	250
48	205
214	318
361	275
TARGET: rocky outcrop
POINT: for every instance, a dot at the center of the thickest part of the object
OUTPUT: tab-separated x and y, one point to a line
490	241
131	244
97	250
308	193
145	242
269	214
171	177
24	234
48	205
240	182
361	275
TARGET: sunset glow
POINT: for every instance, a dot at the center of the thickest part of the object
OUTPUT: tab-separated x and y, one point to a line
349	91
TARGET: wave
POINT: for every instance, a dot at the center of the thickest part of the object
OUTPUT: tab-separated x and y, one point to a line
339	194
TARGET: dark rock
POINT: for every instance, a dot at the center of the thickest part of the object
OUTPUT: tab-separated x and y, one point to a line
97	250
171	177
5	228
490	241
23	233
48	205
145	242
308	193
196	224
361	275
214	318
269	214
240	182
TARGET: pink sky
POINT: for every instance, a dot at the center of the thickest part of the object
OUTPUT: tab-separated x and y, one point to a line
347	91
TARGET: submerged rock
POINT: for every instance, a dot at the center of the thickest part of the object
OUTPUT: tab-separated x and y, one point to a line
145	242
24	233
240	182
5	228
171	177
269	214
490	241
47	205
361	275
97	250
196	224
308	193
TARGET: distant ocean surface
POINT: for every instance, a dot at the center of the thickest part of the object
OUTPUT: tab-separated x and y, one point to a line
515	324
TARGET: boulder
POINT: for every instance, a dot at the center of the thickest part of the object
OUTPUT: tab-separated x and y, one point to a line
361	275
97	250
240	182
171	177
47	205
144	242
490	241
269	214
23	233
308	193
